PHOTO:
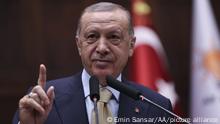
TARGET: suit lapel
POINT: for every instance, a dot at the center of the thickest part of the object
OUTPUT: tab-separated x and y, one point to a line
129	108
72	102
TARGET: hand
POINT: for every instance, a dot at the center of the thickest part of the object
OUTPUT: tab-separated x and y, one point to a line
35	107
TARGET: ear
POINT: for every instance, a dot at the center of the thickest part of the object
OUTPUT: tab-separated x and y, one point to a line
131	46
79	45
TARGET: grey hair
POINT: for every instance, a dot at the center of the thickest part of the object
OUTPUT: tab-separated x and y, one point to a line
106	7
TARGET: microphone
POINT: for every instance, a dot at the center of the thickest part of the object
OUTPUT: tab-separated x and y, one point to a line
133	93
94	88
94	94
136	95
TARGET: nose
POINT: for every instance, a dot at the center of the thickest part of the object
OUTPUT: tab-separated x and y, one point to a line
102	47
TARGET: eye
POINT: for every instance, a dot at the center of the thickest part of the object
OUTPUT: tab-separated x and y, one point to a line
115	39
92	37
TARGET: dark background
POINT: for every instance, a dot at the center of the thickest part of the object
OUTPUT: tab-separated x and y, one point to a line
42	31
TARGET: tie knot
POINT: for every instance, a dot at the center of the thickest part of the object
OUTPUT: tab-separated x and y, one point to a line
105	95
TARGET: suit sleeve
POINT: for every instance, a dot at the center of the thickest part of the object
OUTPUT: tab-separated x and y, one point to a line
15	118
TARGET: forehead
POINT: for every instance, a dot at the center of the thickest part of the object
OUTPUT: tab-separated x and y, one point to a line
117	17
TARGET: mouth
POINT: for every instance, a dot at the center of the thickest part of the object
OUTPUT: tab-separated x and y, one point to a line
102	64
101	60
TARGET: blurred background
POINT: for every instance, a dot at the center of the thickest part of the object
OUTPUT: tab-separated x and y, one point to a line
42	31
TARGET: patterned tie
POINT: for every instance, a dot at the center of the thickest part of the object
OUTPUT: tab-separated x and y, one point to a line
103	110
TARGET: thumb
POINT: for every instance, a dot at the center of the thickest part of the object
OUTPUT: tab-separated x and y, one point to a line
51	94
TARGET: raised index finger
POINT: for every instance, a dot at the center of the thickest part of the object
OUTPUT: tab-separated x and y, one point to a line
42	76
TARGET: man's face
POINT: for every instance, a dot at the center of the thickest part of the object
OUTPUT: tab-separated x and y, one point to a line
104	43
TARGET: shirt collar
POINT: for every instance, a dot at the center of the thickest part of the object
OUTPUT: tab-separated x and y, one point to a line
85	82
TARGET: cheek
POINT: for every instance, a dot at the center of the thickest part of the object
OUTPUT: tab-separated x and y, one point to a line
86	53
121	57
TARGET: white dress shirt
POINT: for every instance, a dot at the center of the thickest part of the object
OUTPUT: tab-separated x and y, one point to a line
112	104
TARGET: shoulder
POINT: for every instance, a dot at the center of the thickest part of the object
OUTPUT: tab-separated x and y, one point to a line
65	84
64	80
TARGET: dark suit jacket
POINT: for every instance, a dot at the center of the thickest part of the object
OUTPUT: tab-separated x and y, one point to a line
70	108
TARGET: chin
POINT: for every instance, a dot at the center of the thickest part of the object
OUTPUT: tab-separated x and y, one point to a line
102	73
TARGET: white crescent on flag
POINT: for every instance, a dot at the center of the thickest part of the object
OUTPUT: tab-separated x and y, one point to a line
146	36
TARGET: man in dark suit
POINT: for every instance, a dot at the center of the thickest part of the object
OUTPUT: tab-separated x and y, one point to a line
105	40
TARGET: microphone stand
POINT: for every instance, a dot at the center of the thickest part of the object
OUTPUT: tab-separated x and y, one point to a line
144	99
94	94
137	95
96	110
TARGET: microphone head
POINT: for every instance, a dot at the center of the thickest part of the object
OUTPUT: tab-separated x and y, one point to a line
121	87
94	88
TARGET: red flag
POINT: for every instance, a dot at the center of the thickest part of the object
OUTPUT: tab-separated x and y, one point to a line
148	65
